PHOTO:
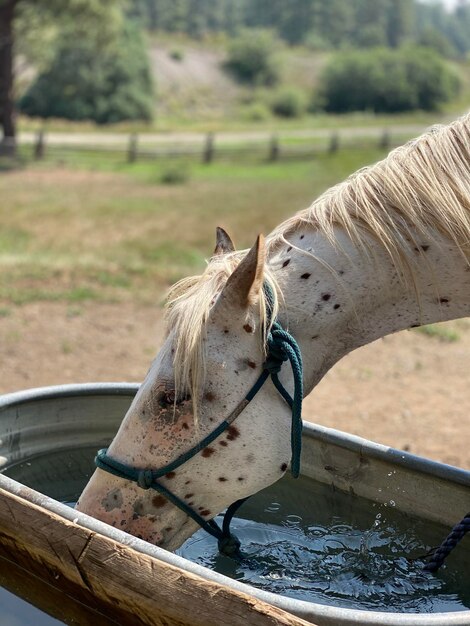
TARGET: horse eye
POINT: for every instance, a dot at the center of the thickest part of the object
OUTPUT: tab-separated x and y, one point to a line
168	398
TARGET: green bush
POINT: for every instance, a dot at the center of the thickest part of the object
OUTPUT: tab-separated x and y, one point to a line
289	102
175	174
86	81
384	80
176	54
255	112
252	58
432	38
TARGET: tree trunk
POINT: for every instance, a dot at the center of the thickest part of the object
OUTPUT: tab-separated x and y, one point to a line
7	113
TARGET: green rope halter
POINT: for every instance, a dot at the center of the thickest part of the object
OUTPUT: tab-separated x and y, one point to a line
281	347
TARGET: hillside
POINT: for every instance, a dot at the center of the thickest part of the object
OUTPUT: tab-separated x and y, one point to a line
195	84
192	84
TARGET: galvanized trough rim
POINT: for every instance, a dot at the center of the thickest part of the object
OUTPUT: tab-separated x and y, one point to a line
307	610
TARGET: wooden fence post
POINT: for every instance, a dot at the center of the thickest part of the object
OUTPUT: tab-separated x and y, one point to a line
274	148
334	143
209	151
385	139
39	146
132	149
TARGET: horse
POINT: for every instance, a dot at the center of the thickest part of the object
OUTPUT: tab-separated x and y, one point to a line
387	249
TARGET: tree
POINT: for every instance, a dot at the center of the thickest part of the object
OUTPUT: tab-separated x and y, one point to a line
7	115
399	21
93	14
90	80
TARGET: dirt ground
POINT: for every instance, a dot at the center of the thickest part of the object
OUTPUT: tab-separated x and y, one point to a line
408	390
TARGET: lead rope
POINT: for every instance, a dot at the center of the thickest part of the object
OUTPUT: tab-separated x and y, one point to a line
281	347
439	555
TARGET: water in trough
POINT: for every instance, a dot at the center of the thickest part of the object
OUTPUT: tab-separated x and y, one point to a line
299	538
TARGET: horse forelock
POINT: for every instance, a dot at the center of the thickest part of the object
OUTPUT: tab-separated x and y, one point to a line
419	188
188	306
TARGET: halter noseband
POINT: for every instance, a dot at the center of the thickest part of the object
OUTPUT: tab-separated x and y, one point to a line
281	346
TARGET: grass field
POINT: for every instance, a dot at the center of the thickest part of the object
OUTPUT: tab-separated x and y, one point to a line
110	231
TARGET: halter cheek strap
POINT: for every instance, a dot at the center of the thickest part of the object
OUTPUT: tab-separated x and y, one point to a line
281	347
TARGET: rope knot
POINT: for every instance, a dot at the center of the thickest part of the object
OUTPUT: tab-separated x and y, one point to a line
276	355
145	479
229	545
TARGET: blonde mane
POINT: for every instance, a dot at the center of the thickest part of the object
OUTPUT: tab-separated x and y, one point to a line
421	187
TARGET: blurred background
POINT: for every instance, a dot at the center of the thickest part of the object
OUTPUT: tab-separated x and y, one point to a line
131	129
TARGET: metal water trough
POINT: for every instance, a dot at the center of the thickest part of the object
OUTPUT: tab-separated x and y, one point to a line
34	422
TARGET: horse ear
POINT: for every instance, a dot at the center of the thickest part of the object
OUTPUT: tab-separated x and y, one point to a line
223	244
244	284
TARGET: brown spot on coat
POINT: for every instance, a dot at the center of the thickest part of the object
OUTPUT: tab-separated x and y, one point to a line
233	432
289	248
251	364
337	306
207	452
240	478
443	300
209	396
306	275
326	296
158	501
248	328
188	495
168	529
223	443
286	263
222	479
205	512
184	426
283	467
170	475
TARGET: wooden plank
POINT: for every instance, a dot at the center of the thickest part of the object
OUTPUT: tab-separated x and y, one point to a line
51	600
118	580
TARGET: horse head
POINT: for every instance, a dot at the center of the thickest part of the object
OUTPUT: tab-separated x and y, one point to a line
213	354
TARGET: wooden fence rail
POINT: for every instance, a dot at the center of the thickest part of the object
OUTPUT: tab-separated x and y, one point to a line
271	148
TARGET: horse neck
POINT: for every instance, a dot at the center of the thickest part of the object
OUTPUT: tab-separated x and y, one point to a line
339	297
